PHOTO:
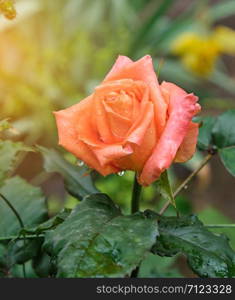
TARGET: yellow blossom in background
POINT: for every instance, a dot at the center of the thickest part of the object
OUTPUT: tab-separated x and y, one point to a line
199	52
225	38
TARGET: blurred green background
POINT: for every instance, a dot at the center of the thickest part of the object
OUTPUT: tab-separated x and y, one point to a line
54	53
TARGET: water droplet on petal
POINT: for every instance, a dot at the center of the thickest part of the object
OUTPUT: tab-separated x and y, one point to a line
121	173
80	163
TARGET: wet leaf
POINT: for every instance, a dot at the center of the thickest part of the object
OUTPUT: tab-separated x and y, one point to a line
77	182
52	223
96	240
208	254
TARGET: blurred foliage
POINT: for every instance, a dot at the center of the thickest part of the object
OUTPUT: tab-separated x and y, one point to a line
54	53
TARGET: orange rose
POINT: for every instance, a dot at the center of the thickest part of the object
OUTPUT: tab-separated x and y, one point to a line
131	122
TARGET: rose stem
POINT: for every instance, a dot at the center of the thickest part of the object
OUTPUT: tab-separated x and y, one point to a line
187	180
19	220
136	193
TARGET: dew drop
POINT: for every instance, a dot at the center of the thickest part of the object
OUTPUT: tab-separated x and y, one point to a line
185	187
121	173
80	163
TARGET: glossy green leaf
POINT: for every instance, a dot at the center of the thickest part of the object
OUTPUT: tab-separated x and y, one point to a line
8	155
164	188
77	182
27	200
227	156
208	255
97	241
223	131
205	131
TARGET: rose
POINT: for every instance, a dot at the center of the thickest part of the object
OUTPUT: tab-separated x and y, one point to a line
131	122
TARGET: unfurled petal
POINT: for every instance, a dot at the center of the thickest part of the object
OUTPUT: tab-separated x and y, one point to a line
188	146
120	63
141	152
110	153
67	121
182	107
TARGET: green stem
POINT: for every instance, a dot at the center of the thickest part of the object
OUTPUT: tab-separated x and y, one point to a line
187	180
136	193
220	225
13	237
19	220
13	210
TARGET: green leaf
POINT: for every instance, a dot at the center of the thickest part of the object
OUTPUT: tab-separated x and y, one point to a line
227	156
20	251
8	156
205	131
154	266
97	241
208	255
27	200
17	271
77	182
49	224
2	258
164	188
210	214
43	265
223	131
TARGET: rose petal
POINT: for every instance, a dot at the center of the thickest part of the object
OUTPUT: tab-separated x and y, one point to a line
182	108
119	125
67	120
121	62
141	152
143	70
107	154
188	146
138	131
